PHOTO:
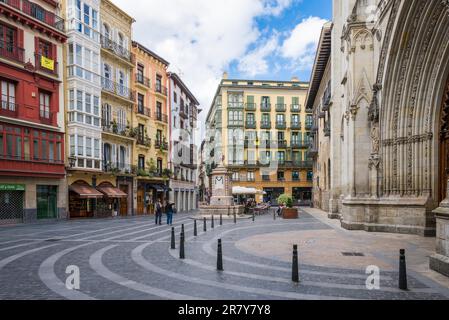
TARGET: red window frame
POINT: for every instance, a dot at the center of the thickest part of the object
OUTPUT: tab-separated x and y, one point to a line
45	49
43	112
7	104
40	138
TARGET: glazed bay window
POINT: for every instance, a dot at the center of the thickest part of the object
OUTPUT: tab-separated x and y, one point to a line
86	150
235	100
83	63
235	118
23	144
84	108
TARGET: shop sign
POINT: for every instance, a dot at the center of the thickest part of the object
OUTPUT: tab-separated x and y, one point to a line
12	187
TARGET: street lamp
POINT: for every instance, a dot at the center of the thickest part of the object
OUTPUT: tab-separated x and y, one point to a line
72	161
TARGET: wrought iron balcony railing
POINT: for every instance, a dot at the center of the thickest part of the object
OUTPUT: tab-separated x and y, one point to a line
11	51
265	107
141	79
118	89
296	108
281	107
37	12
9	109
143	111
265	125
281	125
295	125
250	107
250	125
119	50
161	117
161	145
161	89
297	144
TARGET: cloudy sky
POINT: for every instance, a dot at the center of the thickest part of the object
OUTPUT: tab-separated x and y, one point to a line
257	39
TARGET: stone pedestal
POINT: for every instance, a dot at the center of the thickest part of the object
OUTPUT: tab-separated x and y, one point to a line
221	201
440	260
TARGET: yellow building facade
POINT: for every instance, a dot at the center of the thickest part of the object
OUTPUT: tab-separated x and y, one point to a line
117	99
150	122
262	131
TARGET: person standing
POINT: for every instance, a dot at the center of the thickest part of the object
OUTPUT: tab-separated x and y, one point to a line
169	211
159	212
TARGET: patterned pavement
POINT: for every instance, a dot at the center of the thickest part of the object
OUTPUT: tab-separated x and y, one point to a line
127	259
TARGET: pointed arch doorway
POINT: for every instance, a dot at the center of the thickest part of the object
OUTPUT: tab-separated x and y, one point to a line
444	145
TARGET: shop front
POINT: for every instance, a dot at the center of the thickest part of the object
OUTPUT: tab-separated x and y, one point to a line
12	200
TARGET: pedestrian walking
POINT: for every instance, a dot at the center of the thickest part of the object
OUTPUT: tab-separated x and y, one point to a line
169	211
159	212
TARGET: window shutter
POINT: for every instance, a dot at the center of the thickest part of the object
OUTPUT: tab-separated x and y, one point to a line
54	51
20	38
36	45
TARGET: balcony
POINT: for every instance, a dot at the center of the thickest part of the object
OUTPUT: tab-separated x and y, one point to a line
265	125
141	110
117	49
266	178
117	168
236	123
296	144
144	141
281	107
250	125
302	164
312	152
295	125
9	109
161	145
161	117
309	110
46	117
265	107
295	108
118	89
250	107
282	144
142	80
45	64
182	113
161	89
37	12
308	126
11	51
281	125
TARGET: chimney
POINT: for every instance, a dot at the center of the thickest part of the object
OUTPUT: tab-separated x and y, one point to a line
225	75
295	79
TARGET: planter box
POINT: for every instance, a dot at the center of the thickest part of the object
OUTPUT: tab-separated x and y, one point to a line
290	213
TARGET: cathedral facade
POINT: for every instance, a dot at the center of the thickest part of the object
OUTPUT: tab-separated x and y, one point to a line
389	117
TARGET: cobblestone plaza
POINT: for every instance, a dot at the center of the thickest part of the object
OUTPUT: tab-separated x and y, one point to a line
131	258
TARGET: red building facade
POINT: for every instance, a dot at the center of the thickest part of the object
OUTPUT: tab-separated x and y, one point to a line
32	168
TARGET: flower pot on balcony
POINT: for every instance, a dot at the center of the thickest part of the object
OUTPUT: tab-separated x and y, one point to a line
290	213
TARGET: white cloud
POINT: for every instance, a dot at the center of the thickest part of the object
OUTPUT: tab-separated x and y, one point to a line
255	62
302	42
200	38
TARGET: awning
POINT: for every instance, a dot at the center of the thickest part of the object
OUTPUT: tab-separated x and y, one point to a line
244	191
159	187
112	192
85	191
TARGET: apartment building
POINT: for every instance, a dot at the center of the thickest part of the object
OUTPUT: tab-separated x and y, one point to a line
32	169
319	99
117	98
151	128
262	131
183	155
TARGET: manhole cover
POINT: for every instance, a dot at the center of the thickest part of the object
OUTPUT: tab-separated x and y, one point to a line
353	254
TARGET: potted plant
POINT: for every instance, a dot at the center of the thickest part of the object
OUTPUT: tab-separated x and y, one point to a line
114	127
167	173
152	168
289	212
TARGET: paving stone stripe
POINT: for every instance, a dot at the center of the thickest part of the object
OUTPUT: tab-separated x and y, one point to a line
15	257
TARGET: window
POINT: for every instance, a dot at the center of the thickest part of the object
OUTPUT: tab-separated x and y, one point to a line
265	101
175	97
295	119
88	108
107	31
281	176
250	118
266	118
295	176
45	49
97	148
44	105
296	137
140	102
159	110
121	120
235	176
8	96
140	73
159	166
280	118
235	118
309	176
250	176
141	162
281	157
121	40
80	145
235	100
72	145
88	147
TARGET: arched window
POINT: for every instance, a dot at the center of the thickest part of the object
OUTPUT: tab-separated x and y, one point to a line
121	40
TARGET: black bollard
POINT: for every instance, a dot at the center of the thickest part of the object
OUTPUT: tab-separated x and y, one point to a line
254	217
274	215
235	218
204	225
173	245
181	247
182	228
295	267
221	219
212	223
195	230
402	271
219	256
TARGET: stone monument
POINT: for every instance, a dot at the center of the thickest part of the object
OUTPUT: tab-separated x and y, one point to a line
221	201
